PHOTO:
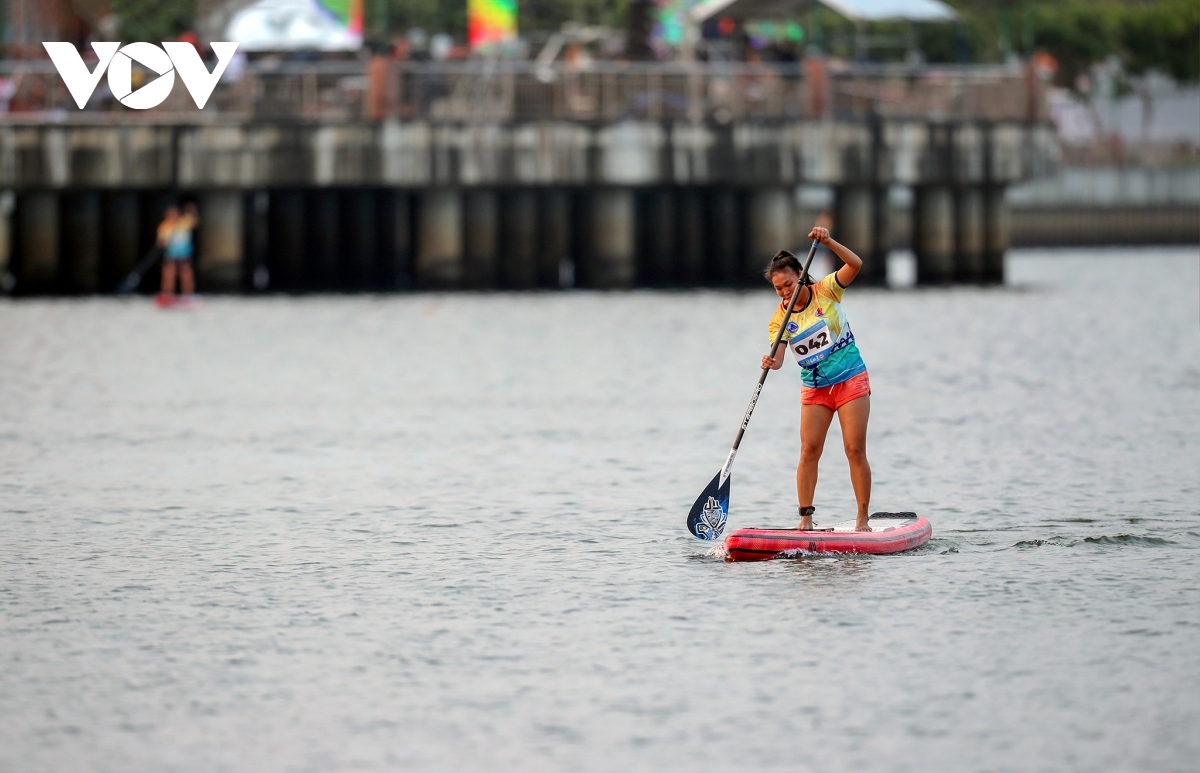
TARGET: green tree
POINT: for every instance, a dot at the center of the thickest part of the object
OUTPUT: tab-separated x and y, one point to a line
1144	34
154	20
1078	34
1164	36
433	16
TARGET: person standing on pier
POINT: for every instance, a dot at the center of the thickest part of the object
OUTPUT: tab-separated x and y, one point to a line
175	240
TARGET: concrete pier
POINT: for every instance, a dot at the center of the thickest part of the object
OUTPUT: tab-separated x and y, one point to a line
439	262
436	201
689	262
970	236
519	245
38	226
862	223
612	231
8	203
359	218
933	234
221	241
658	216
122	237
997	230
854	224
324	234
81	242
769	229
257	207
723	231
287	245
874	270
398	248
554	228
481	239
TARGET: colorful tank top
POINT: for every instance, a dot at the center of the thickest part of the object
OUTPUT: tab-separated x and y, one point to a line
179	238
820	338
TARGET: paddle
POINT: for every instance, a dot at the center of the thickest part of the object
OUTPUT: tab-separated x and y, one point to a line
707	518
131	282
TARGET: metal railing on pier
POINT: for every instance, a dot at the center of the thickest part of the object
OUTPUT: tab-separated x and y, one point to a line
31	91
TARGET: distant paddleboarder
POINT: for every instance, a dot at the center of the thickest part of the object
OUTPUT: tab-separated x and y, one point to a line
833	374
175	240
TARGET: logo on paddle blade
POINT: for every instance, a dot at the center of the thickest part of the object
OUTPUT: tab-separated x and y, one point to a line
712	520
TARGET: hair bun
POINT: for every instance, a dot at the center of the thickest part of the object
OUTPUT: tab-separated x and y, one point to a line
782	261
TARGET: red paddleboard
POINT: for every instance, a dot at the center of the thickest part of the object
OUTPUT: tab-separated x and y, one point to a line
171	301
890	533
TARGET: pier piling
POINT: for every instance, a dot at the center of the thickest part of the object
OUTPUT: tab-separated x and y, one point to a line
769	216
723	229
439	239
933	234
81	241
554	230
38	229
612	231
969	236
519	230
481	221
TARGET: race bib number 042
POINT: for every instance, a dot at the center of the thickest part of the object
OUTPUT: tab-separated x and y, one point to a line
812	345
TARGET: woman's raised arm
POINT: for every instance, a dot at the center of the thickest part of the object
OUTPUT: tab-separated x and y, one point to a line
853	263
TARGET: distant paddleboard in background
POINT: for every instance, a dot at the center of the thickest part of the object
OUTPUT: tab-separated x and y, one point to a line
890	533
171	301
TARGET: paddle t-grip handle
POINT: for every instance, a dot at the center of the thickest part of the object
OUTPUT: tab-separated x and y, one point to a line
774	348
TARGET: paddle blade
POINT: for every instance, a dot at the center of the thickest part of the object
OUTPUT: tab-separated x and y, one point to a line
706	521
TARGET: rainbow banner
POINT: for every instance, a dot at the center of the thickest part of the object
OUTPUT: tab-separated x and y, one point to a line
491	22
347	14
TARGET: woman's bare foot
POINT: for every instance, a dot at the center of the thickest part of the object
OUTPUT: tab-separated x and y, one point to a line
861	524
805	523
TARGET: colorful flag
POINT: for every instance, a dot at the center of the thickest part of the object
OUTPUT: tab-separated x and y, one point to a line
347	13
491	22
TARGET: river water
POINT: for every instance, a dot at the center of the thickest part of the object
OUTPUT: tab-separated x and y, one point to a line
446	532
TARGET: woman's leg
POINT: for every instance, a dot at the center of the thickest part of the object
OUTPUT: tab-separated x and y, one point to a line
853	417
814	425
168	277
187	278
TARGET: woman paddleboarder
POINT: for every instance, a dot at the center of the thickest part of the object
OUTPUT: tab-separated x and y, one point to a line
175	239
833	373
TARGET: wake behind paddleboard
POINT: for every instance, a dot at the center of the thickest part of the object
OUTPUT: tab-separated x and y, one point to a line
890	533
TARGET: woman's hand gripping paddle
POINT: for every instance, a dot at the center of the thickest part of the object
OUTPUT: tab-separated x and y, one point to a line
707	519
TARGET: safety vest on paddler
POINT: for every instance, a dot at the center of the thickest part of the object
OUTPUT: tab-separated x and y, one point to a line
820	338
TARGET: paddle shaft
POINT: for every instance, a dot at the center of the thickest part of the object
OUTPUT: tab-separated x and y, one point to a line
708	514
762	379
131	282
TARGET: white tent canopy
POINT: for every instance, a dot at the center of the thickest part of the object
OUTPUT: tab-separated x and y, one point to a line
289	25
892	10
856	10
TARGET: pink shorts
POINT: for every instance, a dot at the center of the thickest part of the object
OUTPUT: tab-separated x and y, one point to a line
834	397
